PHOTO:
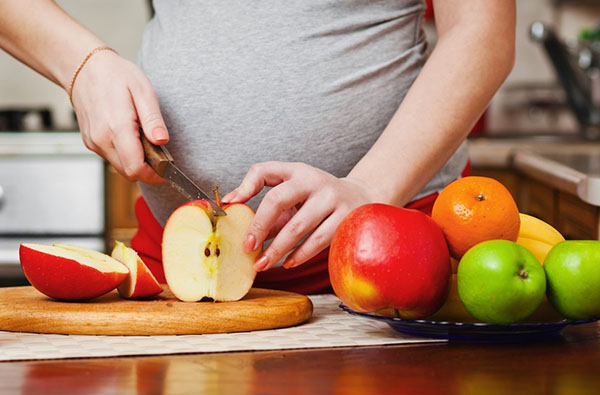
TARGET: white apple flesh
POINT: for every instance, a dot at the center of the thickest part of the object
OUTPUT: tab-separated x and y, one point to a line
70	273
140	283
201	260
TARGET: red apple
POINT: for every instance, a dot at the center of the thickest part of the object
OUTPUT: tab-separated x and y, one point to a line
140	283
386	257
70	273
202	253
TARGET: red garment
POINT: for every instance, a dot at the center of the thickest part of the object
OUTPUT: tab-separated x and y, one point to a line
311	277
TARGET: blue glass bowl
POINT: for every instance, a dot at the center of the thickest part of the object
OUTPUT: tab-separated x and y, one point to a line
473	331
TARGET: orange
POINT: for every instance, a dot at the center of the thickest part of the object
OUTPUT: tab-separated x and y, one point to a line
475	209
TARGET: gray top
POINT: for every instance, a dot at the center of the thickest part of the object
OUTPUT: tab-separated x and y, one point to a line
315	81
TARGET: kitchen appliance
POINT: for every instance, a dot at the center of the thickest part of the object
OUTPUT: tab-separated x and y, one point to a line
579	78
25	119
51	191
23	309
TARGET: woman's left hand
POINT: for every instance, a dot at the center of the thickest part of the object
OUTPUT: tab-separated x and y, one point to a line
303	200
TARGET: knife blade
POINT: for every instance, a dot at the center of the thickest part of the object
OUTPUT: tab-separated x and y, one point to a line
161	161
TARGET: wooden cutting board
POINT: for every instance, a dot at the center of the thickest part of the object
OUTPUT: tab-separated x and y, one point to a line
24	309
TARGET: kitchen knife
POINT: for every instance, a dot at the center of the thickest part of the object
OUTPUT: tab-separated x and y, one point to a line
161	161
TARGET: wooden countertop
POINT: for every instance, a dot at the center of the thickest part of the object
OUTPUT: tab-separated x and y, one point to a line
567	364
570	165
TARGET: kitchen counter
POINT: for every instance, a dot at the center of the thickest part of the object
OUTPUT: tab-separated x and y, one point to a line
566	364
42	143
569	165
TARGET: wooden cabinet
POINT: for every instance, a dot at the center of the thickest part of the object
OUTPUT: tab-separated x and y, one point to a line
539	200
571	216
120	198
577	220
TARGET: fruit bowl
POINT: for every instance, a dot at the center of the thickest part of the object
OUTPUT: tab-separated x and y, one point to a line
473	331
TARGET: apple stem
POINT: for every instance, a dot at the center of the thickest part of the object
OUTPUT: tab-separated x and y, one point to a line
523	274
217	197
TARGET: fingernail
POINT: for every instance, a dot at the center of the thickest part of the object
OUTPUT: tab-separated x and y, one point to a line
249	244
289	263
261	263
230	197
160	134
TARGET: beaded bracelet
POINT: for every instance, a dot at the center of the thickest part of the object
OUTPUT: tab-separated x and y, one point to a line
76	73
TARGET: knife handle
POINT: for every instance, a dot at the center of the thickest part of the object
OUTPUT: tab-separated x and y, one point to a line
156	156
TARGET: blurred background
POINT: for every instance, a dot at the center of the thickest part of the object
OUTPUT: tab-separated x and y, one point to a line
539	136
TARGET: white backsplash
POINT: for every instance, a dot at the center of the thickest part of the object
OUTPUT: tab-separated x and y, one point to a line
119	23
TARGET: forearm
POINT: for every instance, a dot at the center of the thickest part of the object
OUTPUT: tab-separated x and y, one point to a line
41	35
459	79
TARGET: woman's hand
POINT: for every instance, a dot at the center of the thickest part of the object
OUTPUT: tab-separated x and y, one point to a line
303	200
111	97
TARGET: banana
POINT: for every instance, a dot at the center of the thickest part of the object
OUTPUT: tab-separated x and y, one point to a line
538	236
538	248
453	309
536	229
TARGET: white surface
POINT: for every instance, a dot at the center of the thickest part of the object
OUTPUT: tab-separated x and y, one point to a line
328	327
43	143
51	184
9	246
52	195
559	171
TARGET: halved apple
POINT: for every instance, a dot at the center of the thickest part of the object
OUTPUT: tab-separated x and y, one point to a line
203	256
140	283
70	273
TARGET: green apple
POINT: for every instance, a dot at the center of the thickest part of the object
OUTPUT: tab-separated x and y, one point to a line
573	273
500	282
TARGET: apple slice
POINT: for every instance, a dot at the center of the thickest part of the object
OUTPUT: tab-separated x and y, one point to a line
202	258
70	273
140	283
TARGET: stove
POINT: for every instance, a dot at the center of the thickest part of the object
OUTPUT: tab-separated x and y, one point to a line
51	191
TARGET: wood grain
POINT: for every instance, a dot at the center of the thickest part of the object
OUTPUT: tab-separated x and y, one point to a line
567	364
24	309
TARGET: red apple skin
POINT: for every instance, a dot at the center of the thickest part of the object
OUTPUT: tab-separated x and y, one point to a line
384	257
146	285
66	279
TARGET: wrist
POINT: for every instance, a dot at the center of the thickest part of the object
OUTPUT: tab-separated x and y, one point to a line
96	74
83	63
372	191
386	191
65	60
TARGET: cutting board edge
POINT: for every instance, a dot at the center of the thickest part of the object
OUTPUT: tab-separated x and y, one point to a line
296	310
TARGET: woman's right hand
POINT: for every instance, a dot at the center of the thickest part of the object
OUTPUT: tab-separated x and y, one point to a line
111	97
